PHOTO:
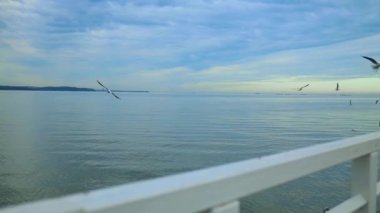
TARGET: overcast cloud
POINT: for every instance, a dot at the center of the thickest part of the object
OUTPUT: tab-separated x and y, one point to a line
230	45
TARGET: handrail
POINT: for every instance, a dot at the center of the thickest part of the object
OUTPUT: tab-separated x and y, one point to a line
350	205
206	188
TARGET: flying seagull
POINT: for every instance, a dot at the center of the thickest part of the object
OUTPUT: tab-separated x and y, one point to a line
337	87
301	88
108	90
375	64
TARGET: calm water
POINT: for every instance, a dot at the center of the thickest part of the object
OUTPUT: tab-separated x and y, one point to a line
57	143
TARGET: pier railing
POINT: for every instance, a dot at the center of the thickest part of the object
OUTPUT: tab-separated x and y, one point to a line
218	189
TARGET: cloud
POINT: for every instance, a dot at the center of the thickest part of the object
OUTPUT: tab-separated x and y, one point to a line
21	46
170	44
276	71
165	73
250	67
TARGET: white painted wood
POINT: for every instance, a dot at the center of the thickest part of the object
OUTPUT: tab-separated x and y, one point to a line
202	189
231	207
364	179
350	205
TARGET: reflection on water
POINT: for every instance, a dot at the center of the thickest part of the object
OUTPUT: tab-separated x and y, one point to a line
56	143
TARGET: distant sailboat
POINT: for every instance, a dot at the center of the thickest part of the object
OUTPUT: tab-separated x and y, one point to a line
108	90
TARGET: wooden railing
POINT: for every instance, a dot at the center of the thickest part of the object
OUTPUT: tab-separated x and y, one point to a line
218	189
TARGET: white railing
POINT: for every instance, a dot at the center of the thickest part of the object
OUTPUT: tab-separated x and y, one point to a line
218	189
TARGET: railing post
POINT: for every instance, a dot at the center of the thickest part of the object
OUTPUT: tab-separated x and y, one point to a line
364	178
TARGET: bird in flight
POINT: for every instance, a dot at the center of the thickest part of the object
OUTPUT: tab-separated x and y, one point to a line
337	87
301	88
108	90
375	64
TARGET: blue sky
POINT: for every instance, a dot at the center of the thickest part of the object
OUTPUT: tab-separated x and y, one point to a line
209	45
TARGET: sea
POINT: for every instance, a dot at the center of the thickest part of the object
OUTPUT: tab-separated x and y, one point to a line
58	143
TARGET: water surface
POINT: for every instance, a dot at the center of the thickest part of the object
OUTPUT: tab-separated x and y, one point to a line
57	143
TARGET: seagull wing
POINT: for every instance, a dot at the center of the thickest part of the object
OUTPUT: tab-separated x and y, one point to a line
299	89
102	85
370	59
305	86
115	95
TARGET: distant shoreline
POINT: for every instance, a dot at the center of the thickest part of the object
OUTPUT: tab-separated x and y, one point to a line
59	88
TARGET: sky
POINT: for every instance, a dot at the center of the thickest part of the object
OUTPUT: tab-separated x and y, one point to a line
192	46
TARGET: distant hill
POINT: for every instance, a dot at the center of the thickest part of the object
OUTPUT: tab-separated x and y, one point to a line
60	88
